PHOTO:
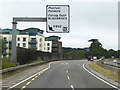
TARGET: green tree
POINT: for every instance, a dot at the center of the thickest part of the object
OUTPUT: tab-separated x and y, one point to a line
2	43
96	48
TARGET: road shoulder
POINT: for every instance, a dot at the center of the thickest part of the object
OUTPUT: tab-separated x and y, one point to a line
101	76
12	80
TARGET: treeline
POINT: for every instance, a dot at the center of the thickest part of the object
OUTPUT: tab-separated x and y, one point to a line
95	49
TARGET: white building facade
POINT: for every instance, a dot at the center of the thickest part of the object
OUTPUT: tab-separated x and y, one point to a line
26	41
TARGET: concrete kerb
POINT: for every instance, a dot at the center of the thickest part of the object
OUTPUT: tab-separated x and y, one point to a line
19	67
101	76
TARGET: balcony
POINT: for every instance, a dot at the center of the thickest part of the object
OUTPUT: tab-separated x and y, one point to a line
33	47
5	41
9	47
33	42
10	42
4	53
5	47
55	45
9	53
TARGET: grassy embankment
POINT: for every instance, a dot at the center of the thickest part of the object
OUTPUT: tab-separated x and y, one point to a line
112	74
6	64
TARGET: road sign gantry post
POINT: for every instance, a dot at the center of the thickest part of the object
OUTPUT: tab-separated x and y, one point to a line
14	32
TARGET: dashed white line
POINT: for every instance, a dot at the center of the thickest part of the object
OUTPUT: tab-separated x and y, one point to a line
68	77
99	78
72	87
67	67
66	71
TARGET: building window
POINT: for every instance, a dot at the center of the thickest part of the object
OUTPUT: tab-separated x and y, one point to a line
48	48
18	44
55	45
24	44
24	39
54	49
33	39
40	45
48	44
18	39
5	38
33	45
40	39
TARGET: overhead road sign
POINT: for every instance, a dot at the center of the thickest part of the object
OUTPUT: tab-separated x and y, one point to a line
58	18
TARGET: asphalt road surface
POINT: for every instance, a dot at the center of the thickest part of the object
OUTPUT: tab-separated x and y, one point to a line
65	74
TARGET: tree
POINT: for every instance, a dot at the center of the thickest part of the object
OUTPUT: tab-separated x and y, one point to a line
95	43
96	48
2	43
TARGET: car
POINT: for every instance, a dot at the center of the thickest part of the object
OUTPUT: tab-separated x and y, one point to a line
91	59
118	62
114	61
100	59
105	62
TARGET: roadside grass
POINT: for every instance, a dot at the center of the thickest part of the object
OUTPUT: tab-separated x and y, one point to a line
6	63
12	73
111	74
35	61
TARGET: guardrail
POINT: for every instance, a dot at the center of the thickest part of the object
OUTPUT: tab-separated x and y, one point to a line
116	67
19	67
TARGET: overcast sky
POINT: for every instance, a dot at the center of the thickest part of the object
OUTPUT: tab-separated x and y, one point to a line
88	20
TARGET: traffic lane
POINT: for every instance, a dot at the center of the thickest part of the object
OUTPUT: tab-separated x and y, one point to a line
82	79
54	77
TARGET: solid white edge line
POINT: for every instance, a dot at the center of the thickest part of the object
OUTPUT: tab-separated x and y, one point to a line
28	78
72	87
99	78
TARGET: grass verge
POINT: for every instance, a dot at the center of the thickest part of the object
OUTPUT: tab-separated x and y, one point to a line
111	74
11	73
6	63
35	61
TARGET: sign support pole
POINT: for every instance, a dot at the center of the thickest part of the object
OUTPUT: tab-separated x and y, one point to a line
14	32
14	48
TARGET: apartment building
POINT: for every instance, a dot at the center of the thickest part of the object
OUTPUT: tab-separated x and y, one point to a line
27	38
56	44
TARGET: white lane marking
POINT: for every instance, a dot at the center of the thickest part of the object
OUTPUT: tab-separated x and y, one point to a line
67	67
66	63
72	87
66	71
68	77
29	77
99	78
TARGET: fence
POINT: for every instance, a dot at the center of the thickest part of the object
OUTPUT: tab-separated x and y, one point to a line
27	55
115	67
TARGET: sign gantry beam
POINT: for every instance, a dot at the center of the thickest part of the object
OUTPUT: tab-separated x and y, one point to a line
29	19
14	31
